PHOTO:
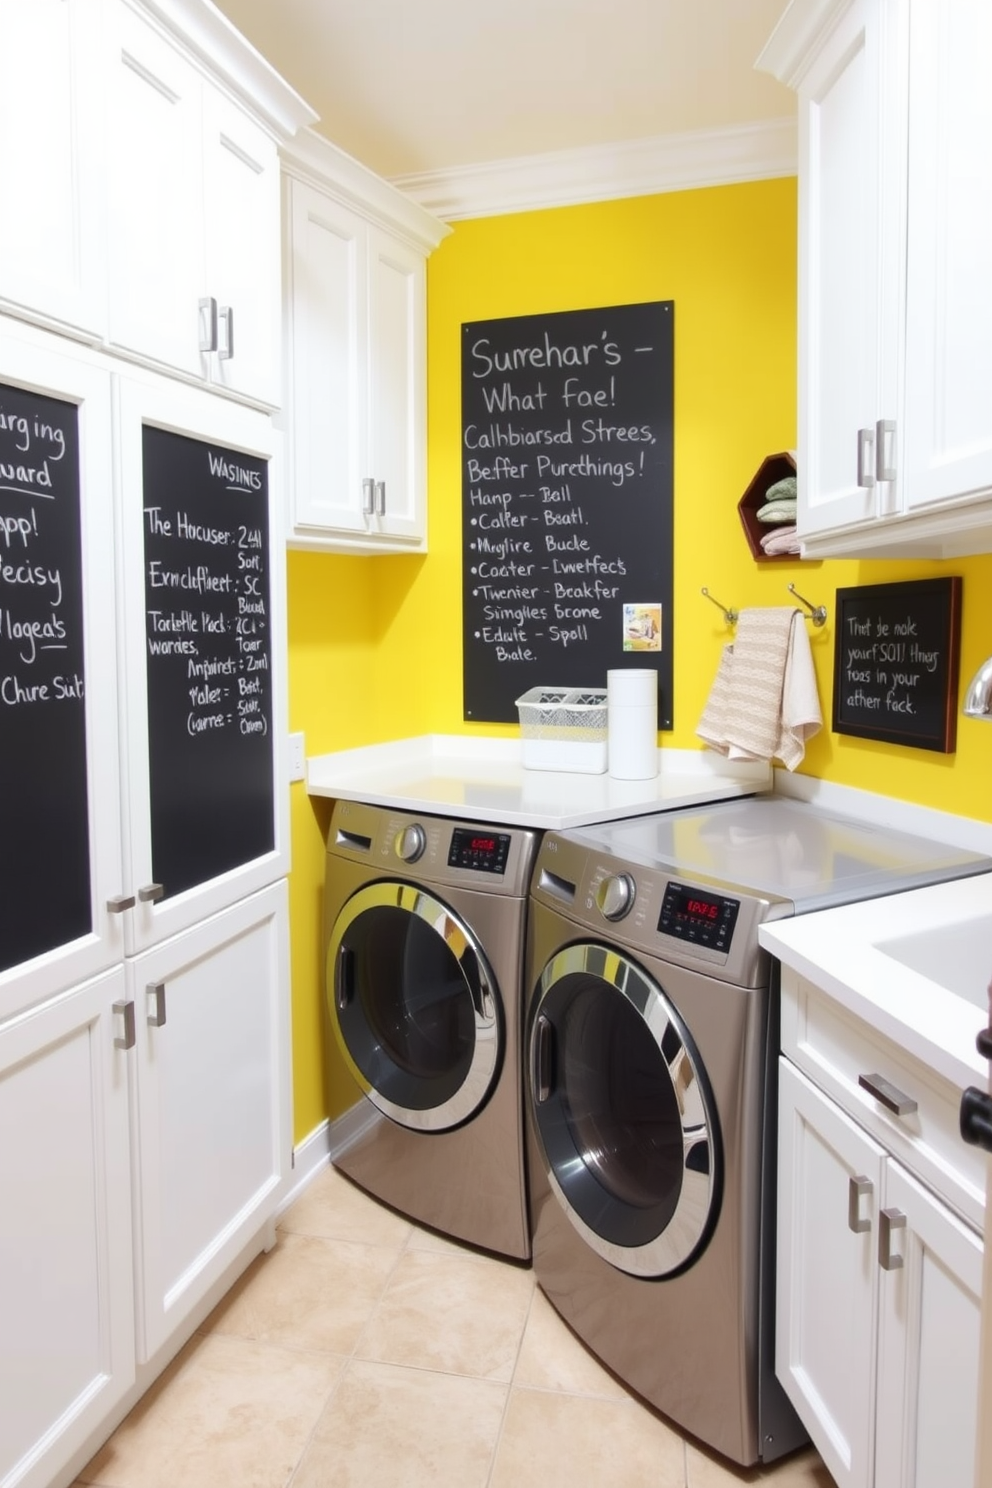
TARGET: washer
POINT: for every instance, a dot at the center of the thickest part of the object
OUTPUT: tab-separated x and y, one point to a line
424	931
651	1033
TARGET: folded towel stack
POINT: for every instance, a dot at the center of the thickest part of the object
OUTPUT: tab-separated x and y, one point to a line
781	540
780	502
764	702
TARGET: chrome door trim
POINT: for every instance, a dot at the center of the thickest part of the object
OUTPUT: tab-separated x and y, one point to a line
695	1209
480	986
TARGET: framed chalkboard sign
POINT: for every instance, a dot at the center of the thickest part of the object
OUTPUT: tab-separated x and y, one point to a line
208	644
44	817
566	503
896	662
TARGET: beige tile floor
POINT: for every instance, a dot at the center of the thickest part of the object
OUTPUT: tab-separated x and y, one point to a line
365	1352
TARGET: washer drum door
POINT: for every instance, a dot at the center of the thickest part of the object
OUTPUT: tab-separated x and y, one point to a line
623	1112
414	1006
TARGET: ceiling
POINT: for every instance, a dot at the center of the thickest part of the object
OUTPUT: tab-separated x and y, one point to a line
414	87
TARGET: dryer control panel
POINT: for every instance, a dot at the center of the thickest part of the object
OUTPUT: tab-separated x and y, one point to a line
698	917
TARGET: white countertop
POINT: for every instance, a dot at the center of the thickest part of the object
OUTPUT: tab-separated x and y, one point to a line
485	779
944	930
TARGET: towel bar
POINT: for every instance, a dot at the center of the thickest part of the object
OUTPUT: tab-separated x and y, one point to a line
817	613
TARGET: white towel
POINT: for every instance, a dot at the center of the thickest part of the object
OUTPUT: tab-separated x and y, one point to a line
763	703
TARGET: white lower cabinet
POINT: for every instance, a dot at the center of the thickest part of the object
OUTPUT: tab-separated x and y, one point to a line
878	1307
66	1290
151	1109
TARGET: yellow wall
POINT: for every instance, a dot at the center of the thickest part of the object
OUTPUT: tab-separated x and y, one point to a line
375	644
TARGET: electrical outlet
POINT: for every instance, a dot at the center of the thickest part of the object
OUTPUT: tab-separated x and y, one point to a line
297	757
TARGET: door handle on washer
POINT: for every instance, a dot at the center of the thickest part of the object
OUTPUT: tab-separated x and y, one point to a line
543	1059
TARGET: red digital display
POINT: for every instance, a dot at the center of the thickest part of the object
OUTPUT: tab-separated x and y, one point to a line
483	844
704	909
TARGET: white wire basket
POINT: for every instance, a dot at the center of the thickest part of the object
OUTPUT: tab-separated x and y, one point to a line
564	728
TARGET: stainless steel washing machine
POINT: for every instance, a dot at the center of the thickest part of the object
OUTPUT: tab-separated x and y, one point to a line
424	932
650	1037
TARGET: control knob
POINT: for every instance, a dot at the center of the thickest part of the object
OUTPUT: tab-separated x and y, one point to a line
615	896
410	843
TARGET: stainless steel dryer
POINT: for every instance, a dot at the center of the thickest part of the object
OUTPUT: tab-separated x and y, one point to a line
424	933
650	1037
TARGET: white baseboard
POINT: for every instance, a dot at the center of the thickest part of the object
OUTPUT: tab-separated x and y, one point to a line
310	1157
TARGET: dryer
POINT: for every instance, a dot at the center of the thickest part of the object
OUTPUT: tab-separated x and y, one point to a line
649	1058
424	932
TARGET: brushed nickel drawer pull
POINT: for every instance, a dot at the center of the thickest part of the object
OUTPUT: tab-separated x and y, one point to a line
891	1097
857	1189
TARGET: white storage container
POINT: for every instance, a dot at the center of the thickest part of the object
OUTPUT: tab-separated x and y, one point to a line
564	728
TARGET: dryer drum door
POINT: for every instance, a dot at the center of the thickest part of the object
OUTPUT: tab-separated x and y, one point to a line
623	1112
413	1005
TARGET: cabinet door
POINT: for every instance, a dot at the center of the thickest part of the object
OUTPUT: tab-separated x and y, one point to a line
397	386
327	287
948	389
210	1102
155	178
51	134
241	195
841	319
66	1299
204	642
826	1288
929	1338
59	763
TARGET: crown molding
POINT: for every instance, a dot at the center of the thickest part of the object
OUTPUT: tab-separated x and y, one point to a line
564	178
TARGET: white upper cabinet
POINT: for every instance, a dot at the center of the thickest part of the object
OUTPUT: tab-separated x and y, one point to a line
355	398
52	243
194	221
895	301
141	149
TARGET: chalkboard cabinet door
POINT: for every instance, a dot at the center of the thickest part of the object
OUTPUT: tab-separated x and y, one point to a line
61	870
66	1273
355	400
52	243
202	617
895	316
211	1102
194	220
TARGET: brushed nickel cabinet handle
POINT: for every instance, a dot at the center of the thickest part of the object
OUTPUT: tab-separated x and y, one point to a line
380	498
120	903
857	1189
126	1010
885	429
866	453
368	496
208	323
157	990
151	893
225	348
891	1097
889	1220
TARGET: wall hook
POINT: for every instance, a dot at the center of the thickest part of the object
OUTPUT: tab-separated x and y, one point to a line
817	613
729	615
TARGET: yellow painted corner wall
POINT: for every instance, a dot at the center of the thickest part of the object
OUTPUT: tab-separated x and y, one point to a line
375	643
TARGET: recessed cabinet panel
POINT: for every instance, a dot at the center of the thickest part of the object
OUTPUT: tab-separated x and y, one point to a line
52	240
948	419
241	199
156	198
397	381
211	1101
66	1299
839	276
328	284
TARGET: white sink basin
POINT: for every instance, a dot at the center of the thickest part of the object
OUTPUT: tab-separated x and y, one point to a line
957	956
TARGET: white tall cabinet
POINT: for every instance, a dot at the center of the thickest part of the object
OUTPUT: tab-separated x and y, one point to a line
144	1053
895	300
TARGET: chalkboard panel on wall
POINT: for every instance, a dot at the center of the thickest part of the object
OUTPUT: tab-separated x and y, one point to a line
44	815
896	662
208	645
566	503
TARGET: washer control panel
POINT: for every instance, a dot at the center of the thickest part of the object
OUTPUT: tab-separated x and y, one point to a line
698	917
475	848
